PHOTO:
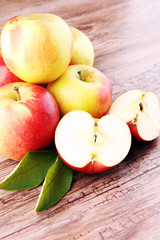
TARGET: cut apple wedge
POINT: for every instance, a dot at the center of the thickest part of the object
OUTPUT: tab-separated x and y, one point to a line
141	111
92	145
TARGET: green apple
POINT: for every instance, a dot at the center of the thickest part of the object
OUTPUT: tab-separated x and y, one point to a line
28	118
37	47
83	52
82	87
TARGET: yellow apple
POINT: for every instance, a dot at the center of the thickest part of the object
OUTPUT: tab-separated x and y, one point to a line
37	47
83	52
82	87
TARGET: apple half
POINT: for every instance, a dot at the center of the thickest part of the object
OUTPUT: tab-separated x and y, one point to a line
141	111
92	145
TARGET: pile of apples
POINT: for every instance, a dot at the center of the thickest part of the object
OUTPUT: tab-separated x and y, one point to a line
50	93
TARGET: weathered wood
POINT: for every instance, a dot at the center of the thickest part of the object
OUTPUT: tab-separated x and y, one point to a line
124	202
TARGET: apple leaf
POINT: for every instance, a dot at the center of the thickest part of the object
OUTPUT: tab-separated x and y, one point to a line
57	183
30	171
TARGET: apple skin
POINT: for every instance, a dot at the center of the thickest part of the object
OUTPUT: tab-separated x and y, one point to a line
134	131
90	168
83	52
37	47
6	76
93	94
28	123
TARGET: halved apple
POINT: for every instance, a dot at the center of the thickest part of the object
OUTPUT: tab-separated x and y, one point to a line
141	111
92	145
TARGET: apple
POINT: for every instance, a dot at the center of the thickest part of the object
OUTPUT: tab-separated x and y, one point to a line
6	76
82	87
141	111
37	47
83	52
28	118
92	145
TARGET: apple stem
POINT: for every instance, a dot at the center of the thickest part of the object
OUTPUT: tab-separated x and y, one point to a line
93	159
133	122
16	89
81	76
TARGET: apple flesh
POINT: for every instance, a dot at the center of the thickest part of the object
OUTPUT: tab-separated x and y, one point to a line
82	87
28	119
6	76
37	47
83	52
92	145
141	111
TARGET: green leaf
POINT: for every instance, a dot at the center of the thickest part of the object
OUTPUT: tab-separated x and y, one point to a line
57	183
31	170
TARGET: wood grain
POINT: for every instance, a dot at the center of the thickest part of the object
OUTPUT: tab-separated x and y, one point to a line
124	202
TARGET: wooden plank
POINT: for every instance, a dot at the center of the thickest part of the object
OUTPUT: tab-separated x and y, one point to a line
124	202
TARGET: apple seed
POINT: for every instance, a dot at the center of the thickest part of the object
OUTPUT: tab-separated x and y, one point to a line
95	138
141	106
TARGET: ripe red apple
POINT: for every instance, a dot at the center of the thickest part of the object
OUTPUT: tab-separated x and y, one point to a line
6	76
92	145
141	111
82	87
28	118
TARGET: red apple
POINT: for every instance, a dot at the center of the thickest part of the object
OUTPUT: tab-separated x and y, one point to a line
141	111
92	145
6	76
28	118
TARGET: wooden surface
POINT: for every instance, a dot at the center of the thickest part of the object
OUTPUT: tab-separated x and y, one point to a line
122	203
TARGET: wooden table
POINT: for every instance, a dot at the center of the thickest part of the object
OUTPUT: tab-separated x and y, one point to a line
124	202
